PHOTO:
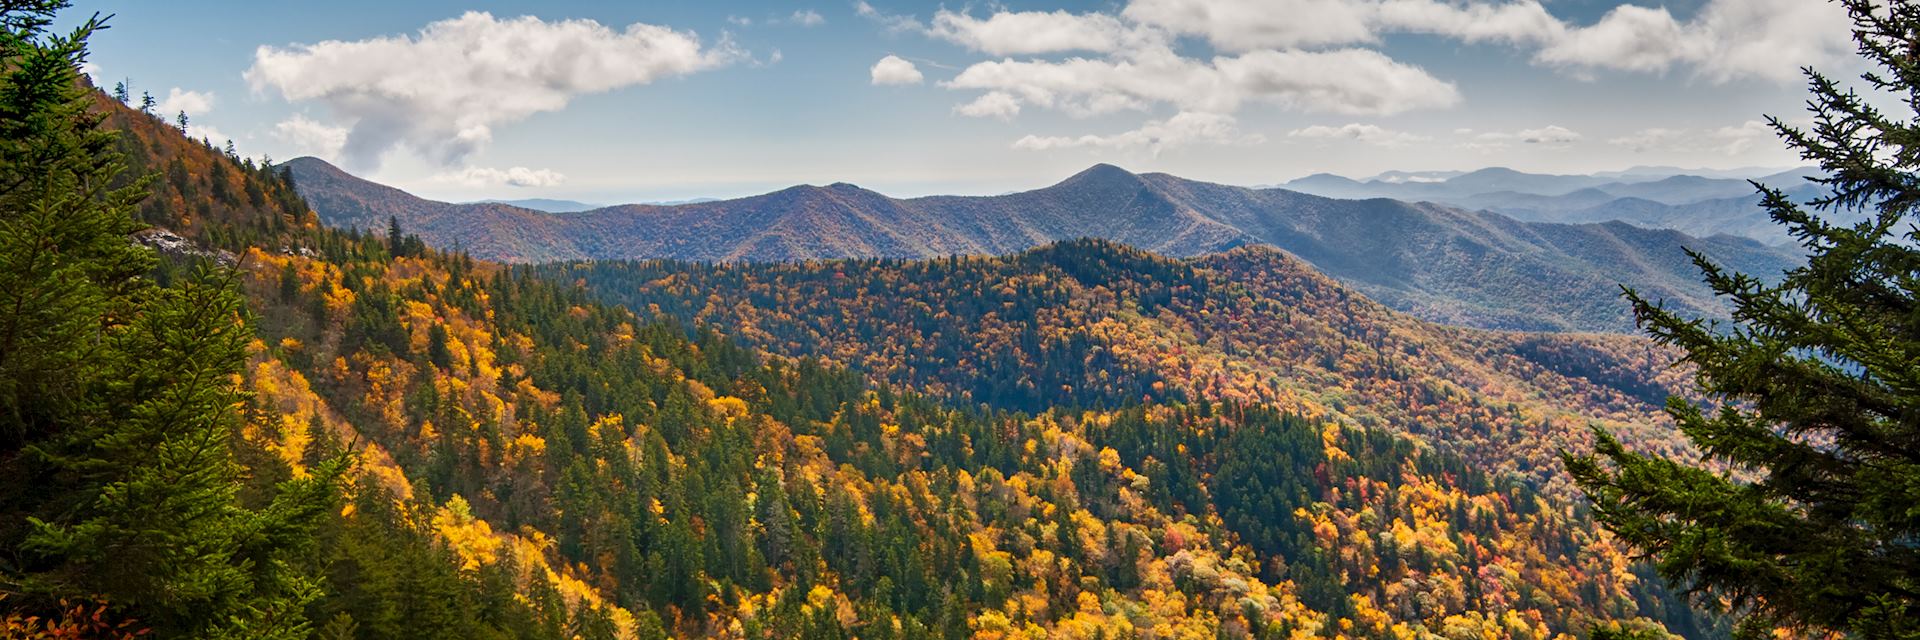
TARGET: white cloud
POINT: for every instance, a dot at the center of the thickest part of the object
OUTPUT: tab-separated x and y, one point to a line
807	18
1354	81
1248	25
993	104
1550	134
739	21
1630	38
1518	23
194	103
1323	56
308	137
90	69
1367	133
441	92
1547	136
1728	40
894	70
1184	128
891	22
512	177
1029	32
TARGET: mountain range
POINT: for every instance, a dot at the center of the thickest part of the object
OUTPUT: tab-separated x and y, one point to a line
1438	262
1719	202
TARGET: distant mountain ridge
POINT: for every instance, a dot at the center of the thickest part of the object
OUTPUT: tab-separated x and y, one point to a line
1697	202
548	205
1440	263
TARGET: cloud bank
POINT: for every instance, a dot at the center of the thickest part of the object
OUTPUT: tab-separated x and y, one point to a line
1323	56
442	91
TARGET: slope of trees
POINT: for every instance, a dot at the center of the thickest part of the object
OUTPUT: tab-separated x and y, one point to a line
1093	324
677	480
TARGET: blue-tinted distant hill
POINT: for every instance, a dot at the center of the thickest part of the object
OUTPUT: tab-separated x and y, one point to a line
1658	197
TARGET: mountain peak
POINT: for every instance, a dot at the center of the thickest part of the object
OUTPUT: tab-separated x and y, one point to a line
1100	177
311	163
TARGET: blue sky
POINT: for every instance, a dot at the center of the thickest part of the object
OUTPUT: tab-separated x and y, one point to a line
627	101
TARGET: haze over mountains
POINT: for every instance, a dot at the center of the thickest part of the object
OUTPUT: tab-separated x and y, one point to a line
1437	262
1698	202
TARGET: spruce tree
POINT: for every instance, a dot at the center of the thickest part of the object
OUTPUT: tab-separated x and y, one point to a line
117	404
1805	512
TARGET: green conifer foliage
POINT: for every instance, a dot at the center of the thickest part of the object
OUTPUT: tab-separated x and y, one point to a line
117	405
1816	386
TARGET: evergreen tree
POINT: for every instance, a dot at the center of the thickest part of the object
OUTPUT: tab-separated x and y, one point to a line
396	240
1807	517
116	401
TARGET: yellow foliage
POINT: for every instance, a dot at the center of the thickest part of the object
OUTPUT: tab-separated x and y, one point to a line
470	537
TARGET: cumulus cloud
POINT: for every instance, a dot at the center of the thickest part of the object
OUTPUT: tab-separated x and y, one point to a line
1727	40
894	70
442	91
807	18
1367	133
1184	128
1247	25
194	103
512	177
1547	136
1550	134
309	137
1354	81
993	104
1030	32
1323	56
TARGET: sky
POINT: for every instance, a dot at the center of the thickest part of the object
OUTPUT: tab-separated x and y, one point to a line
608	102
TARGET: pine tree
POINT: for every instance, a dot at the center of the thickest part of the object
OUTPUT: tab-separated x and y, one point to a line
1805	515
117	409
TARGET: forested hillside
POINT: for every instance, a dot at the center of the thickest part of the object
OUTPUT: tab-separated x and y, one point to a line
1436	262
1094	324
528	462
